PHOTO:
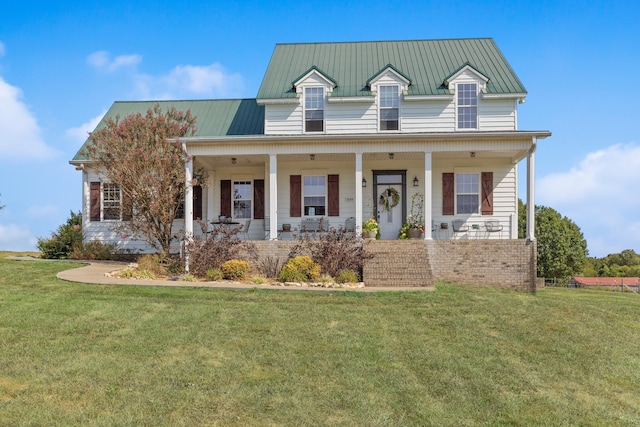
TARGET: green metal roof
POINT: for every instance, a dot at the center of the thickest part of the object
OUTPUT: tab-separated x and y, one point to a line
214	118
427	63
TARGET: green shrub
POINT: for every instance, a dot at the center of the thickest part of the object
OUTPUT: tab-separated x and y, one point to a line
300	269
133	273
187	278
220	245
325	278
234	269
347	276
214	274
64	240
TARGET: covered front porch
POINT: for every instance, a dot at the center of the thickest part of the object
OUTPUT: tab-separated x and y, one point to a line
280	185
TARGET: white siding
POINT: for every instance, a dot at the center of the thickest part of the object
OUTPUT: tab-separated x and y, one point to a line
283	119
504	202
351	118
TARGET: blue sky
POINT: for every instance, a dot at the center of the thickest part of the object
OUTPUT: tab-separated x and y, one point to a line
62	65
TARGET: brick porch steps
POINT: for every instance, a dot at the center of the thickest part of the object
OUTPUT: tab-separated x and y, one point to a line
397	263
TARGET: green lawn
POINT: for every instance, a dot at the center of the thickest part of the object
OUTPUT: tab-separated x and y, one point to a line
74	354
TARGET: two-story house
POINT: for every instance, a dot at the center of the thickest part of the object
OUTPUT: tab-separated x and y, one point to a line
347	131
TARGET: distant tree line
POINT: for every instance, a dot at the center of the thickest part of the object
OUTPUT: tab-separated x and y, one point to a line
623	264
562	249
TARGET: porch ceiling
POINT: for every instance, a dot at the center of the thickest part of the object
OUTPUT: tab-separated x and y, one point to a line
213	162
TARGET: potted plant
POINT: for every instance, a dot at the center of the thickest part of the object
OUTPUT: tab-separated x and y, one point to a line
370	229
413	228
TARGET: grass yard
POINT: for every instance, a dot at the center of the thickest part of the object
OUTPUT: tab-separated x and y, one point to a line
74	354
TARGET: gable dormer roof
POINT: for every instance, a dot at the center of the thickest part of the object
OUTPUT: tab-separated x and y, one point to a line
311	71
352	64
467	66
393	70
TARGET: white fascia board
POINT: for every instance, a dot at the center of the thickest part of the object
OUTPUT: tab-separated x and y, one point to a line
520	96
278	101
410	98
388	70
252	139
351	99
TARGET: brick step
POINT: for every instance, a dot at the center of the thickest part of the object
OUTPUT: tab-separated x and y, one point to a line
397	263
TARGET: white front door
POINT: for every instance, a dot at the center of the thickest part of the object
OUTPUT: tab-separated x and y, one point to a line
389	210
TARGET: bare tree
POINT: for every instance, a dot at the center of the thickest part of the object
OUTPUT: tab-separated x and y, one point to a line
136	153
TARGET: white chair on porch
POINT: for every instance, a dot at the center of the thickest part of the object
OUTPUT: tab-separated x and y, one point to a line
245	229
459	226
493	226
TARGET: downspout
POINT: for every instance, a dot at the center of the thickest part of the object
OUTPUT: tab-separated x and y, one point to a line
188	205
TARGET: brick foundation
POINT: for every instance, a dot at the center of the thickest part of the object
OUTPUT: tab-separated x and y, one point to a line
504	263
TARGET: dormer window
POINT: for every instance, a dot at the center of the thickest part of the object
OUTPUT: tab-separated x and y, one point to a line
314	109
467	105
389	108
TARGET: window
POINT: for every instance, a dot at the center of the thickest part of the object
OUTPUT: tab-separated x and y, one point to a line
314	109
242	199
389	108
314	192
111	202
467	193
467	106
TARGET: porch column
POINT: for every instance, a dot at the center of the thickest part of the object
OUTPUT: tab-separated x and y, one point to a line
531	207
210	181
273	197
358	192
427	198
188	205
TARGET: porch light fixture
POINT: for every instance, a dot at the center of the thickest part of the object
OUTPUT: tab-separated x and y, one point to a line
233	160
472	154
312	156
391	156
364	182
415	181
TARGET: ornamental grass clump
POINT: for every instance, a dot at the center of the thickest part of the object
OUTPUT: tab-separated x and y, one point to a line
300	269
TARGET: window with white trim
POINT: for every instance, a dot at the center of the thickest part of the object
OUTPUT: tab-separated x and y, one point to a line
467	193
313	109
111	202
389	107
242	199
467	105
314	195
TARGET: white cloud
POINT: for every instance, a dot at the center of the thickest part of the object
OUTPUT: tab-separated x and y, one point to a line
21	135
79	134
17	238
599	195
190	80
102	61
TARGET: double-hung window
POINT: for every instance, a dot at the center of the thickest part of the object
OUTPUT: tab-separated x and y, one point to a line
111	202
467	193
314	195
314	109
242	199
467	106
389	108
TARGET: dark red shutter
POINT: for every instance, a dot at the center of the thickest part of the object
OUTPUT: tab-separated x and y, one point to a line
448	193
487	193
225	198
258	199
127	207
334	194
94	201
197	202
295	195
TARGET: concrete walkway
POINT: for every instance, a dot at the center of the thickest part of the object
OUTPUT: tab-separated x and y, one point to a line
96	272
